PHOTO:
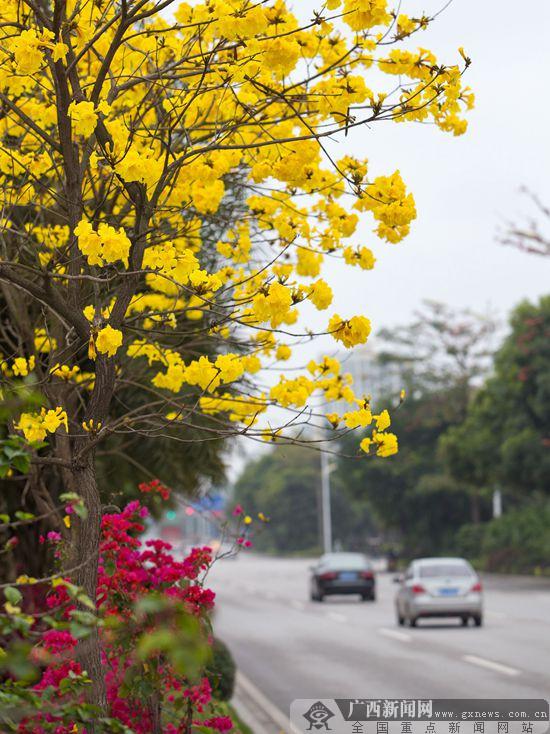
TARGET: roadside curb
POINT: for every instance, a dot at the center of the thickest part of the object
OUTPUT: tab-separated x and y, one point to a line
256	710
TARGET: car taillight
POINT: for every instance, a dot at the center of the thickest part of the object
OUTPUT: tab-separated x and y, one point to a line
328	576
418	589
477	587
367	575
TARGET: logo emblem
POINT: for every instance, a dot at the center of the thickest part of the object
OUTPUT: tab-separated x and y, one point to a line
318	716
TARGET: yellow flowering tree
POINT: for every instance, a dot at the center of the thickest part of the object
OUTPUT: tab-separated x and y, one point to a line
169	202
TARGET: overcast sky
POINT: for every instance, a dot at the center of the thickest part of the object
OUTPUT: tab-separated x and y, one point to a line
465	187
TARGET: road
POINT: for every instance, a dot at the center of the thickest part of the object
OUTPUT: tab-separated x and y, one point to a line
293	648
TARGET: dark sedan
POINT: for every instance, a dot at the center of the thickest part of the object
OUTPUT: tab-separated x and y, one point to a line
342	573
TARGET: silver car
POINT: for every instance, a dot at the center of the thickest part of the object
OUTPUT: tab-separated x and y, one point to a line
439	587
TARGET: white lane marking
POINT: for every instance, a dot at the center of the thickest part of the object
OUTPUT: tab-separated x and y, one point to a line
490	665
336	616
297	604
395	634
261	700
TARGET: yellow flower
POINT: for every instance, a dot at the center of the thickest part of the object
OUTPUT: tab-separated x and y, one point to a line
84	117
91	426
356	418
24	579
386	444
60	51
275	306
283	352
105	245
22	366
11	609
108	341
64	372
53	419
27	54
320	295
247	520
333	419
67	521
309	263
43	342
35	426
351	332
383	421
361	256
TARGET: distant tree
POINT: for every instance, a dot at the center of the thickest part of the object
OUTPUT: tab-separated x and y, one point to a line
506	435
412	499
442	349
284	484
530	237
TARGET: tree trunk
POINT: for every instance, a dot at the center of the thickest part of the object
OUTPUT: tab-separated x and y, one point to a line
85	557
475	507
155	710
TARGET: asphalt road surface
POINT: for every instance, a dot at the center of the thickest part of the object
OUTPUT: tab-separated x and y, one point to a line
293	648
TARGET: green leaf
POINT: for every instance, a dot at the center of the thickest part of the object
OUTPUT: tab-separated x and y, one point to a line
70	497
22	463
80	631
85	600
85	618
11	451
13	595
150	604
109	567
24	515
81	510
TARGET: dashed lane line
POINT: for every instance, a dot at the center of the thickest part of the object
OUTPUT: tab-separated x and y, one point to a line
336	616
490	665
395	634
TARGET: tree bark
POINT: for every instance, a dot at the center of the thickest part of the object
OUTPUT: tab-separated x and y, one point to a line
85	557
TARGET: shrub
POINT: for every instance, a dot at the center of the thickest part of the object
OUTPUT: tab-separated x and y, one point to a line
221	671
516	542
153	619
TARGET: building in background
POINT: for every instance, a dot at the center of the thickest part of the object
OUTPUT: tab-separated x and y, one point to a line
371	374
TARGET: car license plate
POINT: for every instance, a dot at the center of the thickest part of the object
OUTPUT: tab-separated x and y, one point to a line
348	576
448	592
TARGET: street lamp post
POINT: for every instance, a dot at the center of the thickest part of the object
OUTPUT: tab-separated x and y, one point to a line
497	502
325	503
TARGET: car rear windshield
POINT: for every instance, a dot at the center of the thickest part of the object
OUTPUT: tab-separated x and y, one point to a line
445	569
345	561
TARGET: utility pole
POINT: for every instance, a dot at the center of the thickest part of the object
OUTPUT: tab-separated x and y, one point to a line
325	503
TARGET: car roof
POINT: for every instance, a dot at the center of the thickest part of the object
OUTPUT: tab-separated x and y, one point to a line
438	560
